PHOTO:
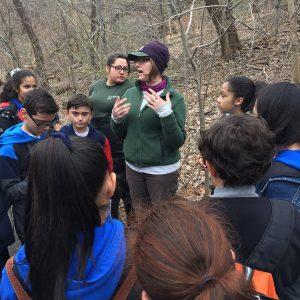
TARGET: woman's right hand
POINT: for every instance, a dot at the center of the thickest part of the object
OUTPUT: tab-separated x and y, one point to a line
120	109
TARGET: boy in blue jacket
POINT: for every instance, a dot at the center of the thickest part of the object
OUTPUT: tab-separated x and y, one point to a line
39	112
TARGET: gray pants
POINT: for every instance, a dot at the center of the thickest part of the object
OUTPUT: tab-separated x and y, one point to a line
147	189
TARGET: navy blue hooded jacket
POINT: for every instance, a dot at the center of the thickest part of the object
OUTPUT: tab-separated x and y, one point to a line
95	135
13	173
282	180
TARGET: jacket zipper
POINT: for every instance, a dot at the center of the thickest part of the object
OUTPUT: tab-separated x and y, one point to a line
138	135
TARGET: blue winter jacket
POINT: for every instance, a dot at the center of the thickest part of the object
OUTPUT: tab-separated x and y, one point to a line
284	183
12	184
103	271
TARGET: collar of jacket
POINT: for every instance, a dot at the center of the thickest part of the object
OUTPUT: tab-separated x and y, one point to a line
168	89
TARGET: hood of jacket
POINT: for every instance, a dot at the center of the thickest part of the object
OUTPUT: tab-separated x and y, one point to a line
15	135
103	270
289	157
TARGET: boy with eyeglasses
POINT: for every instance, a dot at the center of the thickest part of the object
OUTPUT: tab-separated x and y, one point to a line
103	95
39	112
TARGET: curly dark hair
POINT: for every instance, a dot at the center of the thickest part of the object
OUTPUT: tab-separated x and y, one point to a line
240	147
9	90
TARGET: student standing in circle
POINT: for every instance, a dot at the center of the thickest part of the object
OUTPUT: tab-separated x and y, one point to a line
194	260
279	105
72	250
103	95
238	94
151	119
12	97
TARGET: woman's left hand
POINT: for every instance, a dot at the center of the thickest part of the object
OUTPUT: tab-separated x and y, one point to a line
154	101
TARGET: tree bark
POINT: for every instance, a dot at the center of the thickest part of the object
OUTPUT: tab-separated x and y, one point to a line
294	42
222	19
69	51
7	28
37	50
255	7
93	30
198	85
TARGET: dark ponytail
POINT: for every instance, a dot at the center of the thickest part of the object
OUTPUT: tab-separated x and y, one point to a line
245	88
61	214
279	105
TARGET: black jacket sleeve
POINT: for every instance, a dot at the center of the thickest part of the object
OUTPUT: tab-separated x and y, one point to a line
13	186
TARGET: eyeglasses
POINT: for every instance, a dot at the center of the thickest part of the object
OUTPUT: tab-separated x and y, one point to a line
42	124
120	68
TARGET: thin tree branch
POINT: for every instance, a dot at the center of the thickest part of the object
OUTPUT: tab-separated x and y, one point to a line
214	41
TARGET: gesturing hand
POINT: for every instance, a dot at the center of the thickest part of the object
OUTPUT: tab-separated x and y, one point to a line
154	101
120	109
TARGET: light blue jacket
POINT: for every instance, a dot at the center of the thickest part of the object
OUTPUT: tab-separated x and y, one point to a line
103	272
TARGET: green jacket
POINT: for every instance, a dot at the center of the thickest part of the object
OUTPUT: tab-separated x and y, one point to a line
104	97
149	139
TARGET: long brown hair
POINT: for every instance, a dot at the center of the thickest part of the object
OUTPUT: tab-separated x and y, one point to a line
154	71
181	252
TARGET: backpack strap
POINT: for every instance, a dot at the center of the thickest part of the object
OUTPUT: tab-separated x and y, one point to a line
275	240
127	285
15	283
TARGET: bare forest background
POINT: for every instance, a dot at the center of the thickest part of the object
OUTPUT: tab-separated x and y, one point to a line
66	42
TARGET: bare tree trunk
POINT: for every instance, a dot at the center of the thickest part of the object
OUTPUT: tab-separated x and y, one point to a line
162	27
294	42
105	25
9	42
222	19
93	29
69	50
255	7
198	85
37	50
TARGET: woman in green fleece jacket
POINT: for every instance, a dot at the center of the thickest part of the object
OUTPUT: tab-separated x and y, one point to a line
151	119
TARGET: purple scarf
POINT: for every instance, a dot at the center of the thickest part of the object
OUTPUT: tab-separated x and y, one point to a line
156	88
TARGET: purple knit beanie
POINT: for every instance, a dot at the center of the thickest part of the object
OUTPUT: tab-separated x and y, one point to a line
157	51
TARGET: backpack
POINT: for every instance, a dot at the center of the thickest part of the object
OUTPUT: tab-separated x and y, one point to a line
275	241
8	116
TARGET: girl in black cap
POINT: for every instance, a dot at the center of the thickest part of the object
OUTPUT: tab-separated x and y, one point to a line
151	119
